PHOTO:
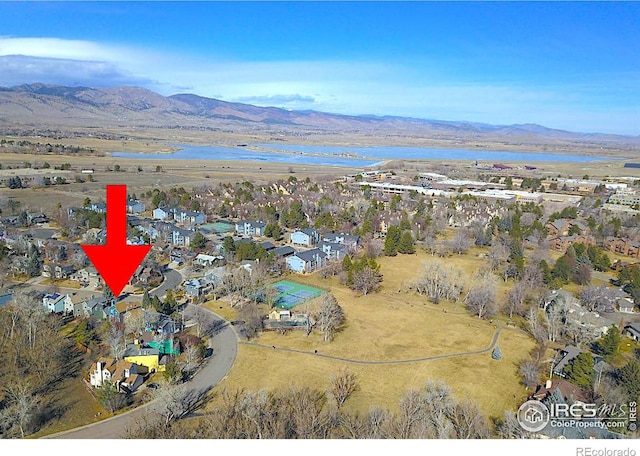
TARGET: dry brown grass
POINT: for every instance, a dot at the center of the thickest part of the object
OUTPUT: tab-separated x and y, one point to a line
391	326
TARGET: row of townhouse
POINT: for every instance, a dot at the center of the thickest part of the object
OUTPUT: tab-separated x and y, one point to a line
99	308
179	215
562	227
622	246
168	232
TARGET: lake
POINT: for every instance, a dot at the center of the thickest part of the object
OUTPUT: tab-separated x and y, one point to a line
357	157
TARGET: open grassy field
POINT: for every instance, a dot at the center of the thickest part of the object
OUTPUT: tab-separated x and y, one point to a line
391	326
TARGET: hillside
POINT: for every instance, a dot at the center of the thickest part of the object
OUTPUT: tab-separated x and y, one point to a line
40	107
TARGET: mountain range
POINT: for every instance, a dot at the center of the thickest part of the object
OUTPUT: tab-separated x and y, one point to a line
39	106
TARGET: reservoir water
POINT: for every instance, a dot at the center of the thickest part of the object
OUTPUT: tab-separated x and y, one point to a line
349	156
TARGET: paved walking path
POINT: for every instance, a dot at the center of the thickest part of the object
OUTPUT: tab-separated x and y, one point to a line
494	340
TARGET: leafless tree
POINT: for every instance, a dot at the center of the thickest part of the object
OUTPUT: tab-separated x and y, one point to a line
116	339
177	401
330	318
598	298
509	427
366	280
438	281
252	317
461	241
204	321
515	298
530	372
304	411
468	422
190	358
374	248
133	322
497	255
481	298
534	325
22	406
343	385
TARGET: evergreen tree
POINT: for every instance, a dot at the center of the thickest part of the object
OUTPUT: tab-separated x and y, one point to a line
609	344
228	245
580	370
406	243
146	300
198	241
628	377
391	241
34	263
108	294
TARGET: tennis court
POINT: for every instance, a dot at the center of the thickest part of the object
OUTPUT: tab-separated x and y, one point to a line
218	227
291	294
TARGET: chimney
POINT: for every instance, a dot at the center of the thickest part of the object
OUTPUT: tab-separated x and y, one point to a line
99	372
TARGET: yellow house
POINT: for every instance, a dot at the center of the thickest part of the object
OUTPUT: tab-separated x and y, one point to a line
144	356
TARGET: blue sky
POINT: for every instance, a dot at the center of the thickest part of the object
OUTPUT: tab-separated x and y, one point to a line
568	65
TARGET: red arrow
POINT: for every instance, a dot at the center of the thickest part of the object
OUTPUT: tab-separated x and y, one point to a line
116	261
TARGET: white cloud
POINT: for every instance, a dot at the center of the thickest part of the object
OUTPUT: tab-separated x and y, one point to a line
349	87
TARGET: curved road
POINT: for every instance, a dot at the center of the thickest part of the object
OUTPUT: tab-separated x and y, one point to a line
215	369
172	280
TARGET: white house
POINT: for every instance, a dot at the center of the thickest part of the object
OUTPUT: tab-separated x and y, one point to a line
307	237
306	261
123	374
248	228
163	213
56	302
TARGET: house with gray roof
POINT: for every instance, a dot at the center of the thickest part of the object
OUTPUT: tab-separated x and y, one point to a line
250	228
632	330
307	237
307	261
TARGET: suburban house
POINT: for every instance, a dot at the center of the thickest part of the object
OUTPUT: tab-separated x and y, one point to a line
562	243
144	356
86	274
267	246
334	250
157	323
197	287
135	207
567	354
57	271
100	208
95	307
307	237
248	228
189	217
306	261
163	213
632	330
349	240
124	375
180	236
57	303
117	310
204	260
